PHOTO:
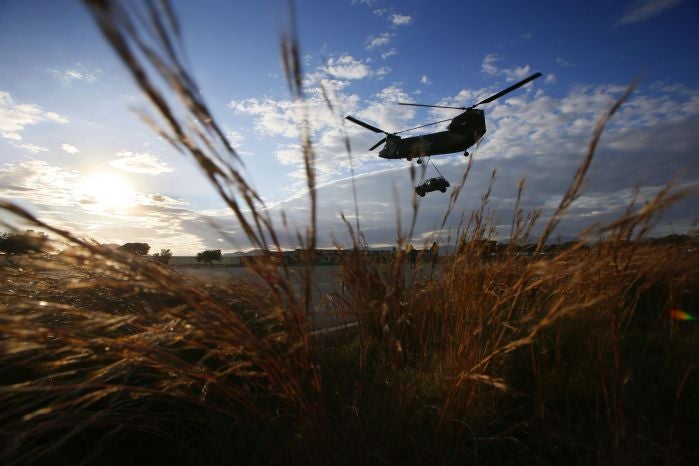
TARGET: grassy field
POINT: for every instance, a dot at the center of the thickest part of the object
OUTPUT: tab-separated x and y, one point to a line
566	359
571	358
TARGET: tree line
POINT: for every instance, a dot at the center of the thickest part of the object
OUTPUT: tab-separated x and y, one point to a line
34	242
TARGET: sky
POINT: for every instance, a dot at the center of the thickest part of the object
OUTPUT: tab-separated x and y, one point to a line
74	152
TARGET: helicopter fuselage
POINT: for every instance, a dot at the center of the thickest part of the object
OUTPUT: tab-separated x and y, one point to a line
464	131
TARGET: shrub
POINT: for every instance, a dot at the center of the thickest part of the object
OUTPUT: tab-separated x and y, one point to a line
140	249
163	256
209	255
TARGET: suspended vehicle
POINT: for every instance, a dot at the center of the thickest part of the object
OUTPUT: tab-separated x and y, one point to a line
438	183
463	131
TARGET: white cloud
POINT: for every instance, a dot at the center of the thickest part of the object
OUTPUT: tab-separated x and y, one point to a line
550	78
60	198
69	148
145	163
274	117
347	67
235	138
33	148
564	63
383	71
15	117
381	40
425	80
529	134
389	53
488	65
646	9
401	20
77	73
38	182
511	74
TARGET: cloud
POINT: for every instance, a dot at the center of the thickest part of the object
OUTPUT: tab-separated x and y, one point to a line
347	67
379	41
15	117
425	80
145	163
646	9
78	73
488	66
401	20
550	78
59	197
530	134
383	71
564	63
38	182
69	149
33	148
389	53
235	138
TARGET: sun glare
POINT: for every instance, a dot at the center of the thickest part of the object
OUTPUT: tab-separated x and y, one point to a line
107	191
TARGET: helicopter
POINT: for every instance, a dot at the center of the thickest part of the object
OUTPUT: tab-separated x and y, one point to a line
464	131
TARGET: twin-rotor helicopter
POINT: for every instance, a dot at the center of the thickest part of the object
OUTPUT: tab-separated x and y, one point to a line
464	130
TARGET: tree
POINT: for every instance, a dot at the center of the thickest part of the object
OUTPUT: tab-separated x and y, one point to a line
163	256
22	243
140	249
209	256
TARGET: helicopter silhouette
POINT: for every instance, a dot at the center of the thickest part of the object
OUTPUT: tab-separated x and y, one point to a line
464	131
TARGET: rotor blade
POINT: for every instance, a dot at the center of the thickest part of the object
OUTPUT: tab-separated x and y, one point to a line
434	106
422	126
378	144
366	125
509	89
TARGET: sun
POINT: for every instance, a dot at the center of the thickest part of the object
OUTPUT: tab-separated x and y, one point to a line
107	191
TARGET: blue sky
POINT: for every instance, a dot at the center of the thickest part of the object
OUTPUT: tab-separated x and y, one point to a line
74	152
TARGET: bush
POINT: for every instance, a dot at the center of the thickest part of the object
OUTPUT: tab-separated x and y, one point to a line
209	255
22	243
163	256
140	249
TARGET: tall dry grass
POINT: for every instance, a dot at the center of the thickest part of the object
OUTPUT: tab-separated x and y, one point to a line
502	358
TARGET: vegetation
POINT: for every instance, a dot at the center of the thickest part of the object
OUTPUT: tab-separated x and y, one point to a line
163	256
23	243
567	358
209	255
140	249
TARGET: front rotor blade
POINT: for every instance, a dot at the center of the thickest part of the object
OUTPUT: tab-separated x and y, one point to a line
433	106
366	125
378	144
422	126
509	89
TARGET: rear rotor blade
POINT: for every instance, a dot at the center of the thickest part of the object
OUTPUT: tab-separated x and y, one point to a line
366	125
433	106
508	90
377	144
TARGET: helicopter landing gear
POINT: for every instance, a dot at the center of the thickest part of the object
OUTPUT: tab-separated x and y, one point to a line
466	154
